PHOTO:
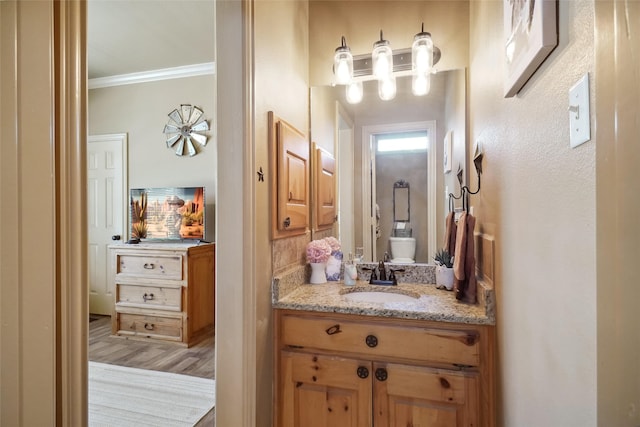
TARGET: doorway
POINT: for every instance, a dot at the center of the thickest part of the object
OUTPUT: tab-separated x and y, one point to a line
371	226
137	77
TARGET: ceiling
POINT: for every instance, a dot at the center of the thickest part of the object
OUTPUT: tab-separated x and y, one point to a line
129	36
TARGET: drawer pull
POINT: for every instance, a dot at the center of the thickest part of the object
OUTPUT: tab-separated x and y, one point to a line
147	297
335	329
149	326
444	383
381	374
149	266
362	372
371	340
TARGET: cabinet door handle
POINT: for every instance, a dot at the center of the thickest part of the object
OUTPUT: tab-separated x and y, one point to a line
362	372
149	266
149	326
335	329
290	196
287	222
371	340
381	374
147	297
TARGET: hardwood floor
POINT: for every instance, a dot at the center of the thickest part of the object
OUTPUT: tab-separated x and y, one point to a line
198	360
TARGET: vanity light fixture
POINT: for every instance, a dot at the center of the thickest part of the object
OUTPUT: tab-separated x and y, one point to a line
382	59
343	64
384	65
421	62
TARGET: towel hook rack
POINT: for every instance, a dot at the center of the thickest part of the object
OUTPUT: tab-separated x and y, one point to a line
465	191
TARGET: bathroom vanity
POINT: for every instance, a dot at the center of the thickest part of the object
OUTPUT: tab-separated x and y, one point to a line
428	361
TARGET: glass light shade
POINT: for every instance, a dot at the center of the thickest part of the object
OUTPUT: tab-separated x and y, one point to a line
422	53
354	92
382	59
421	84
343	64
387	88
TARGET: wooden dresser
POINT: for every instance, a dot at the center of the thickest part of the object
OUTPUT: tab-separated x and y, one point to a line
163	291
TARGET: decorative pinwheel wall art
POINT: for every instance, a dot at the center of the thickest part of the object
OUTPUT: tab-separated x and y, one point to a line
186	125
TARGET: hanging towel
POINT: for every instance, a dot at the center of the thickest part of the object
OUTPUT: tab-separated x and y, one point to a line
450	234
464	264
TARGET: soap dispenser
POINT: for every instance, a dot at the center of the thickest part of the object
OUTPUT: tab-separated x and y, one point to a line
350	272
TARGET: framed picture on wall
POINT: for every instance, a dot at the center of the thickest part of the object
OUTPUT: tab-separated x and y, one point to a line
531	33
447	160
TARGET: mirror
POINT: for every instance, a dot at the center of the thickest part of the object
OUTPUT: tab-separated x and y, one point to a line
365	196
401	202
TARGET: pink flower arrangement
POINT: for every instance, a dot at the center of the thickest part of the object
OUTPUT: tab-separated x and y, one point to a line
318	251
333	242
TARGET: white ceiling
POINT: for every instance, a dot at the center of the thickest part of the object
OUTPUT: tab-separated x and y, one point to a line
128	36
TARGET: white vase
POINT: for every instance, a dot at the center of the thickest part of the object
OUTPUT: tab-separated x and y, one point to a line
318	273
444	277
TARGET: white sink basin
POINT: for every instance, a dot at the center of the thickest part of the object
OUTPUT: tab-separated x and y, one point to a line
372	296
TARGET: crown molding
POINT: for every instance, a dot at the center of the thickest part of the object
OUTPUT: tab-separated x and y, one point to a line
154	75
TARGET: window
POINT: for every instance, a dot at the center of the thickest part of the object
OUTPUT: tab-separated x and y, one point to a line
402	142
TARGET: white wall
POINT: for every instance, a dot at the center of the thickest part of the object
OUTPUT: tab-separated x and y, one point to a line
141	110
538	200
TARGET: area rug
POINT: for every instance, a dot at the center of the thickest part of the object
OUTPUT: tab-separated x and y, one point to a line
122	397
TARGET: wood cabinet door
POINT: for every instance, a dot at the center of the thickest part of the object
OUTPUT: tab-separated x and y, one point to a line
293	178
325	176
419	396
324	391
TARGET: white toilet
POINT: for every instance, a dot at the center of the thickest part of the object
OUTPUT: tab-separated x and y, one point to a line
403	250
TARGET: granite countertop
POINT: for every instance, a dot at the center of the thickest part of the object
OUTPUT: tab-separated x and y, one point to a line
431	303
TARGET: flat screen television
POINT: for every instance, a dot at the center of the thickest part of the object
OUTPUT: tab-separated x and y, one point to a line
168	213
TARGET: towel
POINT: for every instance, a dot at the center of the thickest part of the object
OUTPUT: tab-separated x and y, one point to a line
450	234
464	264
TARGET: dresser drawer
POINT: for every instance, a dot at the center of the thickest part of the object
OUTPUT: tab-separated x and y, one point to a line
165	298
161	266
169	328
369	339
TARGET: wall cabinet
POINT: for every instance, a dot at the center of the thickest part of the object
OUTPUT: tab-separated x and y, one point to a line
290	166
163	291
349	370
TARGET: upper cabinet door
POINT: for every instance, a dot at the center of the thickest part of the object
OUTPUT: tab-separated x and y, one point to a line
325	179
290	186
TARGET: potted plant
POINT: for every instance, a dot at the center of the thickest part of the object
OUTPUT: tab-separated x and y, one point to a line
444	269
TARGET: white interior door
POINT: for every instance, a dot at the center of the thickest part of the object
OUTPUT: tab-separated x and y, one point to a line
106	192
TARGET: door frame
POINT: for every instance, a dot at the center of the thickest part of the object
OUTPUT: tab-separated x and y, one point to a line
368	181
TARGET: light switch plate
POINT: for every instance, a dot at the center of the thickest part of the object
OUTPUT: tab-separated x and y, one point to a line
579	116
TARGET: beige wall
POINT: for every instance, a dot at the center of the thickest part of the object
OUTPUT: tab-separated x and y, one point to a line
360	23
282	86
538	200
141	110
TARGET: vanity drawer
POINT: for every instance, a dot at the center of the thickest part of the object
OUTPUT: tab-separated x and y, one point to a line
396	340
166	298
161	266
169	328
